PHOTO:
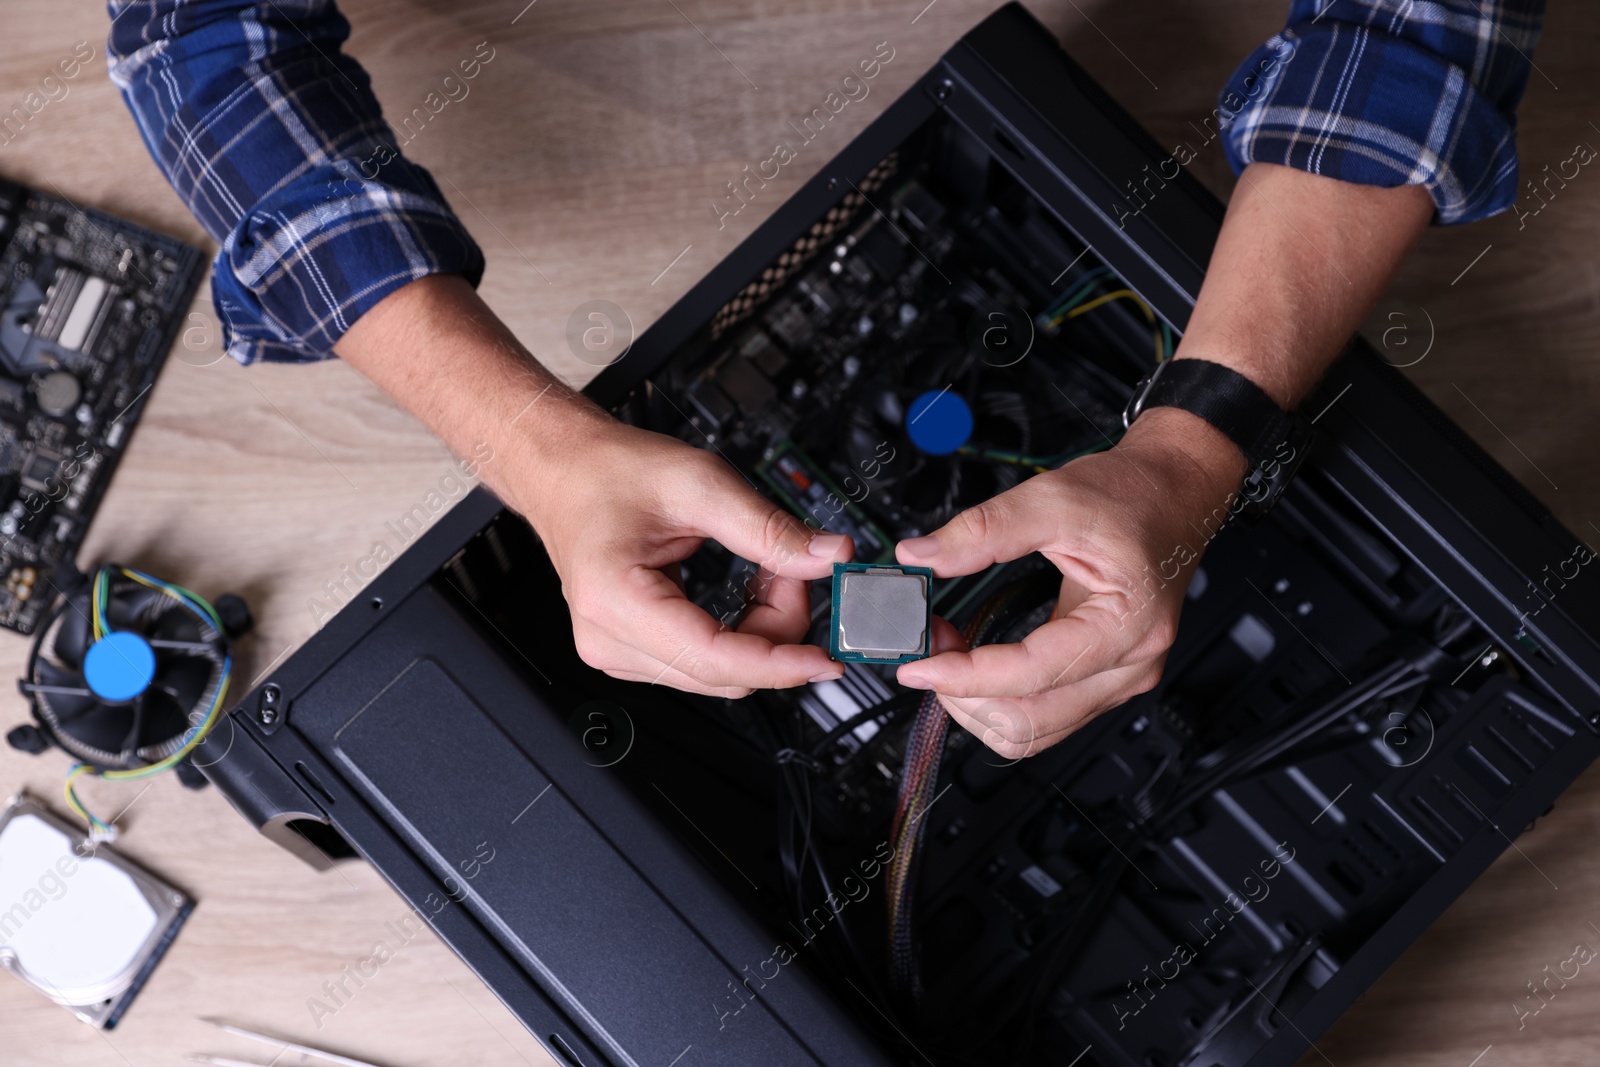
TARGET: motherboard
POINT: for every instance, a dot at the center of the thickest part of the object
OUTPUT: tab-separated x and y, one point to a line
89	306
942	341
898	379
907	369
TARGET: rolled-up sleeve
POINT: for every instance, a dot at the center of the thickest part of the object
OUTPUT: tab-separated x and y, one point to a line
274	139
1391	92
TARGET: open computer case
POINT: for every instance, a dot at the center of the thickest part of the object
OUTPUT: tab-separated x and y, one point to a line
1372	690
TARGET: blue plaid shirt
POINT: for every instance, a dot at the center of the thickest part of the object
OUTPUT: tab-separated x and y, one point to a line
1391	92
273	138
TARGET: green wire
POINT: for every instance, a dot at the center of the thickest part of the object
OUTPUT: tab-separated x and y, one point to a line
1074	296
1077	295
1046	462
101	592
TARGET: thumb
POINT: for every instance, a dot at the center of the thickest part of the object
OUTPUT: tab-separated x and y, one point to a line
753	528
946	638
999	530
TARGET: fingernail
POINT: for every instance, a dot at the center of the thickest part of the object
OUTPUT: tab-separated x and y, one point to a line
829	676
827	545
920	547
914	681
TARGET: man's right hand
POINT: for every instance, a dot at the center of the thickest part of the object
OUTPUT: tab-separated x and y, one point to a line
618	508
620	512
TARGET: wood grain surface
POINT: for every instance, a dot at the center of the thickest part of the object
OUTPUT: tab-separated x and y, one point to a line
583	159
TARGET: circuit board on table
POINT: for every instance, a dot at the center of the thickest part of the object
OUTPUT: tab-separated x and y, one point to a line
89	306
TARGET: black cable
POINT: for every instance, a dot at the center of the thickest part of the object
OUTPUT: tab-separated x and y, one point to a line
1244	755
919	778
887	710
1051	956
918	785
1034	981
799	853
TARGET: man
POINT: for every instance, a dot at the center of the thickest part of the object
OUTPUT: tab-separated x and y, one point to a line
1352	129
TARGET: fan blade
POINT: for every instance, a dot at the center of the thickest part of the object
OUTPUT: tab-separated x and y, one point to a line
1003	422
176	624
132	608
102	726
66	706
136	720
52	674
183	678
158	718
72	638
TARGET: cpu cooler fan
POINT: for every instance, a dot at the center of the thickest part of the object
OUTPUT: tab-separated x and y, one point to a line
967	429
127	675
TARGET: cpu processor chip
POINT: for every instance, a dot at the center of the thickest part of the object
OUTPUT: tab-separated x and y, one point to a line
881	613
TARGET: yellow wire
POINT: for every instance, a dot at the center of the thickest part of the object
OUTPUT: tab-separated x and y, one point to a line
95	824
1118	294
189	746
81	769
176	591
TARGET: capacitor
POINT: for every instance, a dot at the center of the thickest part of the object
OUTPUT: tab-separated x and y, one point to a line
57	393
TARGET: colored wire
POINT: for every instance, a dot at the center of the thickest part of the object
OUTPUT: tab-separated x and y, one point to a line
99	594
1072	296
1072	305
1039	464
1106	298
919	777
1156	328
98	829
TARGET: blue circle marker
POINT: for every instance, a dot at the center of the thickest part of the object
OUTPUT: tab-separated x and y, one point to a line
939	422
119	666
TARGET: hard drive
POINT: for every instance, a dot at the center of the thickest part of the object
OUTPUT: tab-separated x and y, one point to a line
80	923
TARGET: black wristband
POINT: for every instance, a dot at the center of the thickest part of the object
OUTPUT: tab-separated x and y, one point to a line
1273	441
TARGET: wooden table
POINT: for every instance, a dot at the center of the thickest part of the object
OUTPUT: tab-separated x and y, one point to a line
582	159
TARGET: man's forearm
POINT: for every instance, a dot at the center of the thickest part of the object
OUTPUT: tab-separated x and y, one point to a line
437	348
1300	260
617	507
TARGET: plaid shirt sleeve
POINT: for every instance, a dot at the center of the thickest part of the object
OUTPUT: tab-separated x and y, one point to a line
1391	92
275	141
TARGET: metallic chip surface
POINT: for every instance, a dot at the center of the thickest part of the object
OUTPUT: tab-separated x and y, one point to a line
884	612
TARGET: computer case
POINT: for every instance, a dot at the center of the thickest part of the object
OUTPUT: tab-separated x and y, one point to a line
1373	690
